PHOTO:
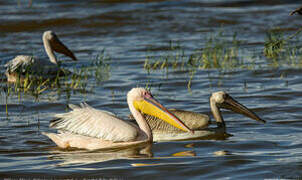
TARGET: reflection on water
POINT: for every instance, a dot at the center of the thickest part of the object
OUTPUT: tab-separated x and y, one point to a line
129	31
86	157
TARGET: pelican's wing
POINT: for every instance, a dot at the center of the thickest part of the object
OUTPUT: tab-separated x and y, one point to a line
20	61
31	64
88	121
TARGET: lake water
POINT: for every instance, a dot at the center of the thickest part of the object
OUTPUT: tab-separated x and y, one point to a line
129	31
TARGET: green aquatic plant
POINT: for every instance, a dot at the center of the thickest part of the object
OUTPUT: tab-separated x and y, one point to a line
274	44
277	42
283	50
175	58
101	66
189	84
224	52
218	52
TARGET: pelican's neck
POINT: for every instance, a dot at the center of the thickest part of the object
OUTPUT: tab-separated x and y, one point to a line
142	123
216	113
49	51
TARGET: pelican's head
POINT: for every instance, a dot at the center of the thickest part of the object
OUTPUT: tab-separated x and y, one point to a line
53	43
143	101
224	100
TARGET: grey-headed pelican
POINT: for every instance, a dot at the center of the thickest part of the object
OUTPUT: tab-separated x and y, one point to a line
199	122
88	128
21	65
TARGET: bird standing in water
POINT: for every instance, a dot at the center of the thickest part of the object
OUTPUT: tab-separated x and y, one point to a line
23	65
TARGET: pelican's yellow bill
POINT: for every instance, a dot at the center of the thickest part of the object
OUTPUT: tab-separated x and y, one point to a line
153	108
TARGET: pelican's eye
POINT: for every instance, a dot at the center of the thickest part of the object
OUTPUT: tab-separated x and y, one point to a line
225	96
147	94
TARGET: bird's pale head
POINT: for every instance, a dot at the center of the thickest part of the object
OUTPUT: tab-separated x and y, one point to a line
49	35
138	94
219	97
143	101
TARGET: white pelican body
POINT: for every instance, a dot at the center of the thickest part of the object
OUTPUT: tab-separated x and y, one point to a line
22	65
199	122
88	128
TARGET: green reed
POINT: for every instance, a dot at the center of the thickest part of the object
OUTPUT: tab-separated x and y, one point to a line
283	50
218	52
223	52
175	58
227	53
274	44
101	67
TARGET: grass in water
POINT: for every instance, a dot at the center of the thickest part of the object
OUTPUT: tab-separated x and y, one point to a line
224	53
217	53
175	58
227	53
280	49
274	44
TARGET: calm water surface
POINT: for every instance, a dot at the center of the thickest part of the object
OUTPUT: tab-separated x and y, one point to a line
128	31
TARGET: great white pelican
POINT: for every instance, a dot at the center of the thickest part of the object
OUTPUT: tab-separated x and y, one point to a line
197	122
88	128
22	65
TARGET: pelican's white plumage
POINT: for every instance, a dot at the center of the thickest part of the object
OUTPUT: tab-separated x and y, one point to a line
22	64
89	128
88	121
34	66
